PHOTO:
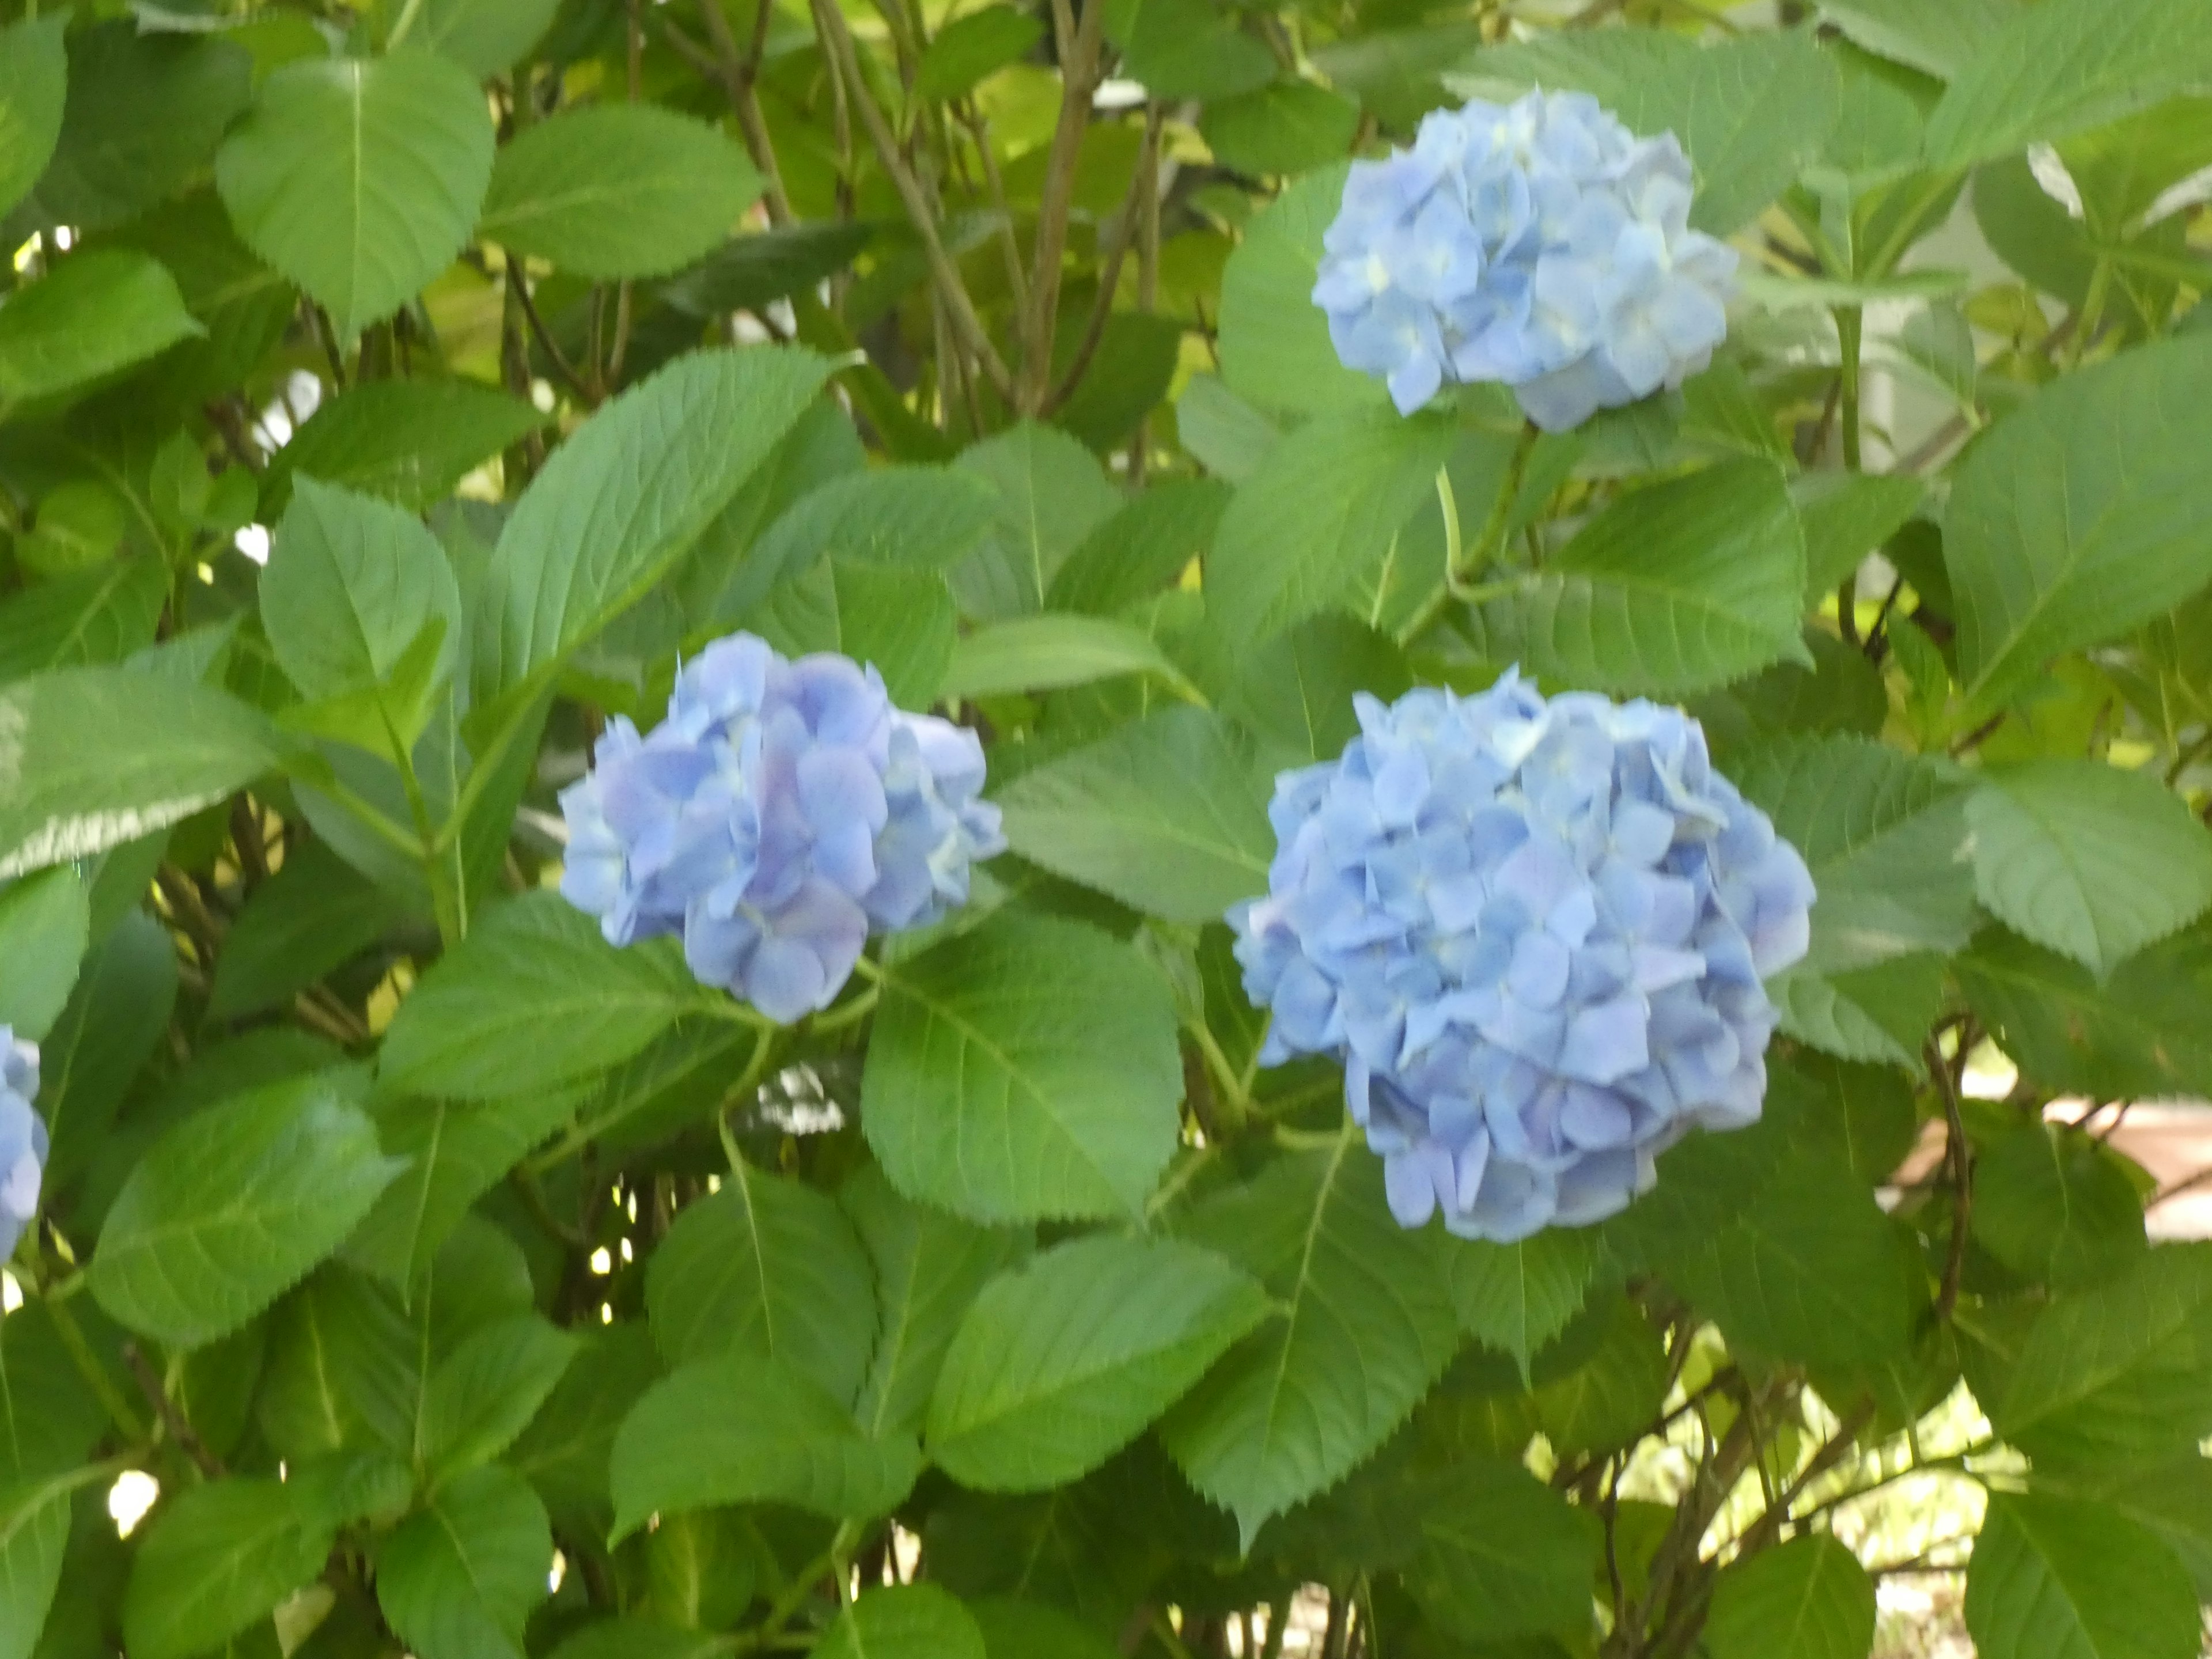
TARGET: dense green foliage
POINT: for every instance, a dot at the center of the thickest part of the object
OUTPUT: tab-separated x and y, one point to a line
408	1234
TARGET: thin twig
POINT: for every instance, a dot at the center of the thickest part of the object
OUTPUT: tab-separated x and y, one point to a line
1959	1157
180	1431
1109	268
1080	41
740	74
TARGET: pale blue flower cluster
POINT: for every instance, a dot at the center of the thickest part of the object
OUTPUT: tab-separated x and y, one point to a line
1539	243
782	812
22	1139
1535	932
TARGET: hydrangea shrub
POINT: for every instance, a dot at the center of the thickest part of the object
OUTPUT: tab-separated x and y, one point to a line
1167	831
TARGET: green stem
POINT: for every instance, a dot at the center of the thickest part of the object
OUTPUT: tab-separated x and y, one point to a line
1488	545
446	903
2091	313
1849	320
1225	1074
1462	561
95	1374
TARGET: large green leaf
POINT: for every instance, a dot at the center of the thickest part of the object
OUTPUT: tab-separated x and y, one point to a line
312	915
1144	548
1503	1556
2055	1204
2086	859
359	179
1048	652
2139	1033
770	1267
116	1013
929	1266
1024	1071
94	757
33	82
612	190
1296	692
1517	1297
1937	40
908	1621
458	1580
1324	508
900	622
2079	517
95	617
1677	587
408	441
45	922
485	1393
1809	1600
925	518
482	36
742	1429
1275	349
1367	1325
92	316
2120	1371
2067	1578
1062	1363
1163	814
1051	493
534	998
2063	67
623	500
565	1451
232	1206
217	1558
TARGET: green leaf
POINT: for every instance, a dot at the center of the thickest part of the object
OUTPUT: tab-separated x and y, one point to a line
609	190
1037	1630
359	179
1024	1071
34	80
1615	1394
2116	1372
1782	1246
1044	653
92	316
625	498
314	913
770	1267
143	114
2086	859
1885	836
1327	504
929	1266
1163	814
2139	1034
1051	493
1503	1556
1676	587
1186	49
98	757
407	441
217	1558
1296	692
1275	349
918	517
232	1207
1289	127
744	1428
641	1638
352	585
1367	1327
565	1451
748	272
484	37
534	998
1863	1114
905	1621
2064	67
117	1010
898	620
45	922
485	1393
95	617
1845	516
1937	40
2066	1579
458	1581
1064	1361
1142	548
1517	1297
1809	1600
456	1153
2076	518
969	48
2053	1204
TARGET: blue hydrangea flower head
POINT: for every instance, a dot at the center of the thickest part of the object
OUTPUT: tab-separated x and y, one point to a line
22	1139
782	812
1540	244
1535	932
